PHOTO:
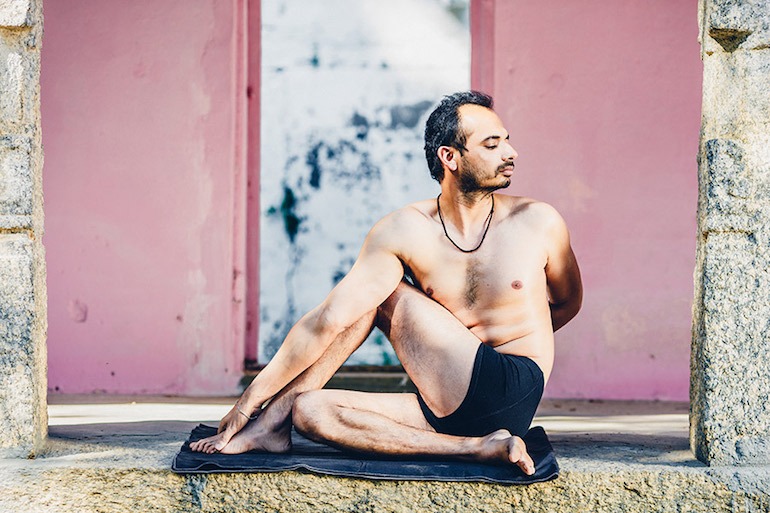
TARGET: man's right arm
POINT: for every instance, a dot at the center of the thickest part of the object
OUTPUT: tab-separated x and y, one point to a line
565	288
375	275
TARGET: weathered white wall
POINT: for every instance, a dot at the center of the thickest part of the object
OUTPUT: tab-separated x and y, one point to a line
346	87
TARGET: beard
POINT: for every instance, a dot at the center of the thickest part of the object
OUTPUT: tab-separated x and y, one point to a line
471	180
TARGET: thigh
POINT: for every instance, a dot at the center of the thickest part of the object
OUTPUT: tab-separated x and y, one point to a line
436	349
402	408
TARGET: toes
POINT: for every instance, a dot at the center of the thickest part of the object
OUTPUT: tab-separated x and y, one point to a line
526	464
520	457
206	445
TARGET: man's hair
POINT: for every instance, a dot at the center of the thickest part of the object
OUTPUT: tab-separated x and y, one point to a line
443	127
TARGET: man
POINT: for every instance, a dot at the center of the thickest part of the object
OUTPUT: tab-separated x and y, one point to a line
468	287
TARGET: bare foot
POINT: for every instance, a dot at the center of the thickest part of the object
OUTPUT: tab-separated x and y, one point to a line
211	444
503	446
256	437
230	424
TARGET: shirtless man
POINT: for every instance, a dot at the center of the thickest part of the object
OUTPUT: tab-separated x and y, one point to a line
469	287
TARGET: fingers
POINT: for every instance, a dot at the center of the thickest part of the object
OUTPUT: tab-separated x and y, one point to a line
226	420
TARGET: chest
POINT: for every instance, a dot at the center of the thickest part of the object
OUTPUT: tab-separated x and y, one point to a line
509	266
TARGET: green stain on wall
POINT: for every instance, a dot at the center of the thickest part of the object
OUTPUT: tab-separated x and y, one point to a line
291	221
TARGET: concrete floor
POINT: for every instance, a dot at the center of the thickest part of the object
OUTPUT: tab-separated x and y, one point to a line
556	416
109	453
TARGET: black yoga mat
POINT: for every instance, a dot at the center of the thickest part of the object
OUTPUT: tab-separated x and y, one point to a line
321	459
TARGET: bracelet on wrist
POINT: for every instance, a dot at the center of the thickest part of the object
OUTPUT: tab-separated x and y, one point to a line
244	414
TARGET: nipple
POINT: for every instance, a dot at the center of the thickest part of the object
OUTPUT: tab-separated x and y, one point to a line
517	284
429	292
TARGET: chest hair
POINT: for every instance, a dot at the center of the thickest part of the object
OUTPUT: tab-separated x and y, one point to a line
472	282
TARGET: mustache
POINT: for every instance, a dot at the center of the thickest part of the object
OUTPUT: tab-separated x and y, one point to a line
507	164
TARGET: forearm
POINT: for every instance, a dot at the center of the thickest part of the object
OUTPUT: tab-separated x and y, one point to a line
302	347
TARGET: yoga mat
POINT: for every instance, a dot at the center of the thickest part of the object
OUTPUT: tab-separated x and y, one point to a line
310	456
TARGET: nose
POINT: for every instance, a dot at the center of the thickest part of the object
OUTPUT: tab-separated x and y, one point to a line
510	153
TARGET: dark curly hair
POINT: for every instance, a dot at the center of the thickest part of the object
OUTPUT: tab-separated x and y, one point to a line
443	127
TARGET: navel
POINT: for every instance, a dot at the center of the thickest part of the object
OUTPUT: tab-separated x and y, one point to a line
517	284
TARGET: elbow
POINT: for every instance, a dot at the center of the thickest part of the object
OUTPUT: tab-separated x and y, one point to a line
574	306
564	311
327	321
314	333
578	302
569	307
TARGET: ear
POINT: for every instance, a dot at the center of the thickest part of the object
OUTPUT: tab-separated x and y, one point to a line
448	157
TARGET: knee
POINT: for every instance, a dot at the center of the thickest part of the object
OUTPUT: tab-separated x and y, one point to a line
402	295
306	412
403	292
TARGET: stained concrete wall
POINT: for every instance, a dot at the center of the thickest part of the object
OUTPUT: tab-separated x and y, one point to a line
23	416
730	419
346	86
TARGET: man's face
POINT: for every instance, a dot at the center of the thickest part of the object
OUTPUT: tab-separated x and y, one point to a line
487	164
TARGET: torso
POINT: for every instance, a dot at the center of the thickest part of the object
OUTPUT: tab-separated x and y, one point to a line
498	292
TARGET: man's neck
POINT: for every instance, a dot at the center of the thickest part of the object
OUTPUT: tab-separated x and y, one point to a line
465	211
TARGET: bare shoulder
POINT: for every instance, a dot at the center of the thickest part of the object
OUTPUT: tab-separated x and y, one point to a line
534	213
403	225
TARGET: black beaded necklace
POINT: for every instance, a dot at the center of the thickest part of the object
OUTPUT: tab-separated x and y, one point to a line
483	236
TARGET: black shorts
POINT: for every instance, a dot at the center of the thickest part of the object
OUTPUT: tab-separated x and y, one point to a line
504	393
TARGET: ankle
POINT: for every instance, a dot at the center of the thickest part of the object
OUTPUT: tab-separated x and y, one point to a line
472	446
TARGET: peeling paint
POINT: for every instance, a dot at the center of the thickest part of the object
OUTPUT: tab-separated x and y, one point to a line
291	221
361	124
315	169
344	144
77	310
408	115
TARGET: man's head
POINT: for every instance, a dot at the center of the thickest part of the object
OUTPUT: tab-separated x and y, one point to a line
444	127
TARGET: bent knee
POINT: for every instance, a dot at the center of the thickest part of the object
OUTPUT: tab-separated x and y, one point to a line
307	411
404	292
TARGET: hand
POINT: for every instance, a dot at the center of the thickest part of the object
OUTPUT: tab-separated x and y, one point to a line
233	422
230	424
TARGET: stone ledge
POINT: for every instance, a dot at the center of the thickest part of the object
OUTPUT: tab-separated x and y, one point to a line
22	406
16	175
13	13
124	466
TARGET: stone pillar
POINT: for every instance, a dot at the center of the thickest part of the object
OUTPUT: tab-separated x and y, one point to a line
23	416
730	365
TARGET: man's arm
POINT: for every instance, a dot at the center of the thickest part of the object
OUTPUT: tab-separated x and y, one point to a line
565	288
375	275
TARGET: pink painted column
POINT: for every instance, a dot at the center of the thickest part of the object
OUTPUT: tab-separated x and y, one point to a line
253	146
602	100
145	133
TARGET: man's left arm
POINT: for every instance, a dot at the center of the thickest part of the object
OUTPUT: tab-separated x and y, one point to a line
565	288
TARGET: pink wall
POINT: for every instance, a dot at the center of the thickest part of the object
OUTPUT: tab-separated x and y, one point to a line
149	190
602	100
144	194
